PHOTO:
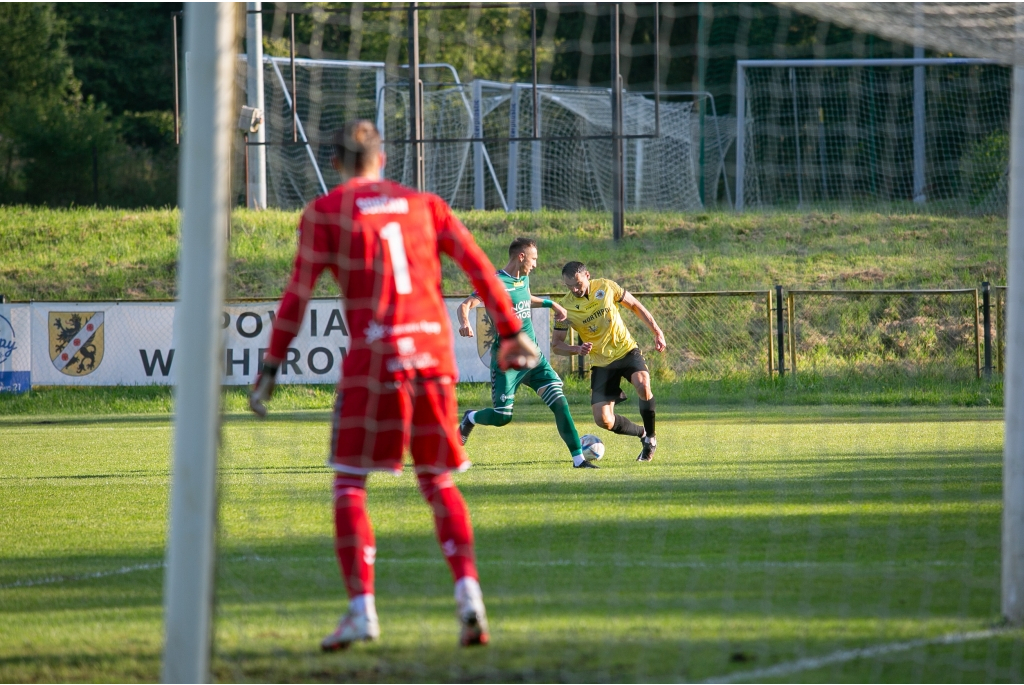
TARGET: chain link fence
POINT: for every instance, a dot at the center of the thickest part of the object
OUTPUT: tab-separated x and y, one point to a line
735	336
710	336
950	333
912	332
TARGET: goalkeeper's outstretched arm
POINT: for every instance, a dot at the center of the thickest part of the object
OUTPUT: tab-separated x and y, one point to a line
641	312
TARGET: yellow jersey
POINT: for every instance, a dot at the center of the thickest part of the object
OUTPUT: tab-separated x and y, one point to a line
596	318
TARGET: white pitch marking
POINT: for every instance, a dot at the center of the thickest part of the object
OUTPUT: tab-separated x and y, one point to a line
50	580
631	563
842	656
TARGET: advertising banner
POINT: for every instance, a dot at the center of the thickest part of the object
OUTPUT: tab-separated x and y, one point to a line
102	343
15	348
125	343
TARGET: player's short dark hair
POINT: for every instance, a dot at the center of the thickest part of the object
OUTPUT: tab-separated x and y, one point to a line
355	145
573	268
520	244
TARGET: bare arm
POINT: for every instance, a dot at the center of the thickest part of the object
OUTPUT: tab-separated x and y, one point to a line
559	310
465	330
560	346
641	312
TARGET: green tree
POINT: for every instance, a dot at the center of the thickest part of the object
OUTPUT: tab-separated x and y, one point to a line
122	52
36	67
36	74
59	146
62	145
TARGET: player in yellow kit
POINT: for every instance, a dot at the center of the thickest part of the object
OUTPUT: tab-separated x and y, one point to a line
592	307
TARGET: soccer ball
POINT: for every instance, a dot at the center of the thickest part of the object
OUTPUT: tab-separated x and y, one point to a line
593	448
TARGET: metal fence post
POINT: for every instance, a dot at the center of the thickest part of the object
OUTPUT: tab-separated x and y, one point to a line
986	312
790	306
416	98
1000	324
771	338
977	338
780	331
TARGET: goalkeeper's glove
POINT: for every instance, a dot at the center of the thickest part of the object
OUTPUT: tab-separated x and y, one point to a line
263	389
518	352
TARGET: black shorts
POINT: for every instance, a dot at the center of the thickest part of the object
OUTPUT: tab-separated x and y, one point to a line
605	380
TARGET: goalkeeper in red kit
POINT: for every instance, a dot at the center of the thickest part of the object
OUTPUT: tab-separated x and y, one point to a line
382	243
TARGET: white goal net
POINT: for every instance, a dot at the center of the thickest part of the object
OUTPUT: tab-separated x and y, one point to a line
683	168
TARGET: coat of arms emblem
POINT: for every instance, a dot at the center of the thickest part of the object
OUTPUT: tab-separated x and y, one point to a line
484	335
76	341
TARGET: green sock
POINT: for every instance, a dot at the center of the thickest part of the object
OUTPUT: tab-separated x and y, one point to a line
566	426
492	417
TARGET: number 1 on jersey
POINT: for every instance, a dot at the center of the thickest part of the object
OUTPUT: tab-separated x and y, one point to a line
392	234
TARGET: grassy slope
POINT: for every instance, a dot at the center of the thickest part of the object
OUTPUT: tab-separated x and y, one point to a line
747	543
107	254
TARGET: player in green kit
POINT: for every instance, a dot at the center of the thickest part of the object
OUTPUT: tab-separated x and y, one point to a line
522	259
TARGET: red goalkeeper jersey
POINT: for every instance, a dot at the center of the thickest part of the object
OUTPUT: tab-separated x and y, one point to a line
382	242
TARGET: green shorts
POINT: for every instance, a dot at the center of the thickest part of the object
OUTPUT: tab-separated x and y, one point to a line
505	383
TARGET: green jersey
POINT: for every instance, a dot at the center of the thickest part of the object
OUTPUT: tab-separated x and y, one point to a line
519	290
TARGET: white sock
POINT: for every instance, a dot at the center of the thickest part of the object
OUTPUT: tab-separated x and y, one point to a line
467	590
472	417
364	605
577	459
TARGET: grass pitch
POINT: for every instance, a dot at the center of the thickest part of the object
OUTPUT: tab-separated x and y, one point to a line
754	540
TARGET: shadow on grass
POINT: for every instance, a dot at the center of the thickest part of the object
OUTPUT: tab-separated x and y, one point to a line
608	600
663	575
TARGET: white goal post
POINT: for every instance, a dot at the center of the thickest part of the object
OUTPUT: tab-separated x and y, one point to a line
210	44
1012	581
902	119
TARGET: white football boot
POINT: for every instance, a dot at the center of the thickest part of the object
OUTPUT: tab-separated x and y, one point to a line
469	603
359	624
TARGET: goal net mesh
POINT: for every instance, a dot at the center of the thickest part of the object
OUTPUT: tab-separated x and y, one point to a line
825	500
299	147
845	135
571	170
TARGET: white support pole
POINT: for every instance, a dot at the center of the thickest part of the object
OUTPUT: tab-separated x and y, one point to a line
254	98
1013	445
478	147
512	185
919	128
741	133
204	188
536	160
378	98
